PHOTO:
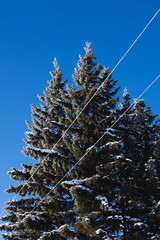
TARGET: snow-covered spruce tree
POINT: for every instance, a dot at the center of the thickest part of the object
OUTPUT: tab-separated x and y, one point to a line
24	219
95	192
145	192
138	181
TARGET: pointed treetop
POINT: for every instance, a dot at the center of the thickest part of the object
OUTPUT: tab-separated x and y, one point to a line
87	48
89	54
85	65
55	63
125	100
89	51
125	92
56	66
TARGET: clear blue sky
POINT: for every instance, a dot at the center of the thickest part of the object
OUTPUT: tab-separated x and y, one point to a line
33	32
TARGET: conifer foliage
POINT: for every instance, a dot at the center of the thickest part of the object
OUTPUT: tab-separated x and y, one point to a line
113	192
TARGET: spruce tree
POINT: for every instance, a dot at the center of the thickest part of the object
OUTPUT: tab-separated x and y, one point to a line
25	220
95	191
145	193
139	191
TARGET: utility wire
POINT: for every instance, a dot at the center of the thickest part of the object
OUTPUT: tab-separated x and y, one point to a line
89	149
88	103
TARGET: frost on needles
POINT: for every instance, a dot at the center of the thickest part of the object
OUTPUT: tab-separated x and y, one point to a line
113	193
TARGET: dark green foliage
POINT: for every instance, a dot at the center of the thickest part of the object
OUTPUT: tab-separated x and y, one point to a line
113	192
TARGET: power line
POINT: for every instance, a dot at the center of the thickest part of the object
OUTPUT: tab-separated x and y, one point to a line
89	149
88	102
